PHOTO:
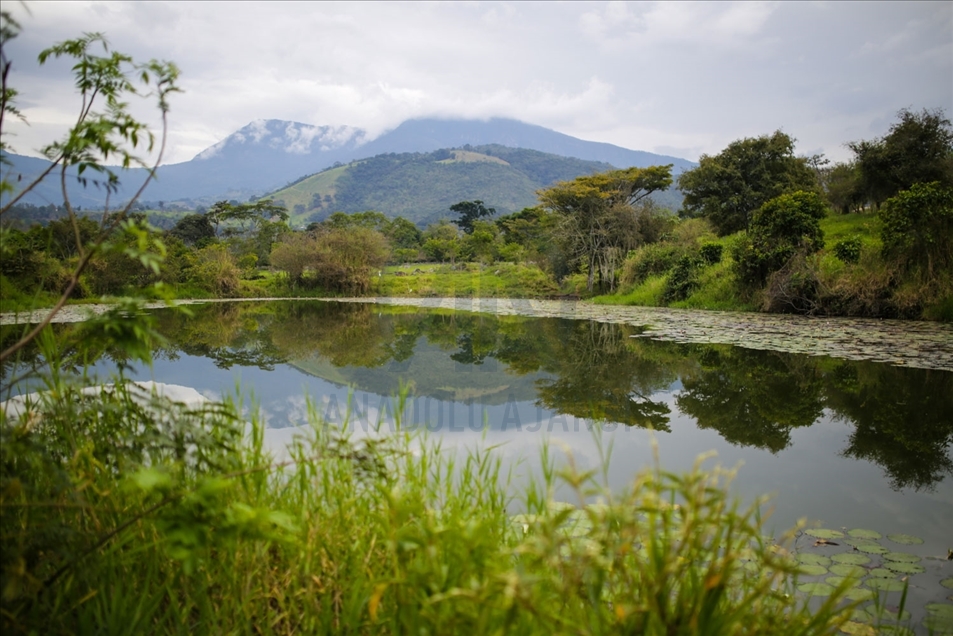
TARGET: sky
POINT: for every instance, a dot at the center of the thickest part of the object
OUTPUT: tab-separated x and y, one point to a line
677	78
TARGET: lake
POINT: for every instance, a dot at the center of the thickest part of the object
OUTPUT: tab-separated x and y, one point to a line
844	442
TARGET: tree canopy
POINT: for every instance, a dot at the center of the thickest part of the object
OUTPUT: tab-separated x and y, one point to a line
598	221
727	188
918	149
469	212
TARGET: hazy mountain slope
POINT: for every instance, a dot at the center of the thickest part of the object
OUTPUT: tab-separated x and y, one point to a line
267	154
427	135
422	187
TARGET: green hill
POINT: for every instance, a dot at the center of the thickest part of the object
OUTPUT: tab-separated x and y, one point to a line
422	186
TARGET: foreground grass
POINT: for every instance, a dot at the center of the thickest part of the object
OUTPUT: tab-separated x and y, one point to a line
178	524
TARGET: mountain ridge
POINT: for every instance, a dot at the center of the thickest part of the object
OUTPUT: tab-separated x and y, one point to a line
268	154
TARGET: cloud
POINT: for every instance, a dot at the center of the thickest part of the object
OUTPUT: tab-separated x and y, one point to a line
691	76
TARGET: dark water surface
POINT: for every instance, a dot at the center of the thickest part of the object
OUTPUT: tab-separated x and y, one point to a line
844	444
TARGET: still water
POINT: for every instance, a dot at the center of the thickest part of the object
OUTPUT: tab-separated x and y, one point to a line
844	444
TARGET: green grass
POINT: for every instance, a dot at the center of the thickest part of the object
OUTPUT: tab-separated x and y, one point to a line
505	280
646	294
382	533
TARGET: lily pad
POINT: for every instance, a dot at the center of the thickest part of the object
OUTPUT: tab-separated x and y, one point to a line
824	533
860	594
816	589
947	583
854	628
904	568
835	580
903	557
851	558
883	614
812	570
940	609
847	569
938	624
860	533
905	539
885	584
813	559
872	548
857	542
882	573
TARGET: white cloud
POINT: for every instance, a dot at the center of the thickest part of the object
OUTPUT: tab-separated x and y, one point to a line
691	76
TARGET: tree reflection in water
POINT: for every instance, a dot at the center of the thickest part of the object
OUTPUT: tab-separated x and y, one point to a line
901	417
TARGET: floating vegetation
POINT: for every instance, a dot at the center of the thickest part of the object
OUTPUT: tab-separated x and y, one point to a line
859	533
879	574
823	533
905	539
919	344
845	569
809	558
851	558
871	548
904	568
813	570
903	557
885	584
816	589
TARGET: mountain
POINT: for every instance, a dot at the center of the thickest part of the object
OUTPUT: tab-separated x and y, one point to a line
421	187
267	154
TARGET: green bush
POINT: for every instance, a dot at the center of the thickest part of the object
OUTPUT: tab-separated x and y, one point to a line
649	260
782	227
711	253
848	250
917	228
683	279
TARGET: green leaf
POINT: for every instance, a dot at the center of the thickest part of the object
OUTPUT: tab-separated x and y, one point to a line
905	539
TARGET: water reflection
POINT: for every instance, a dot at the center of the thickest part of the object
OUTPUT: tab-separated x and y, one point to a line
900	419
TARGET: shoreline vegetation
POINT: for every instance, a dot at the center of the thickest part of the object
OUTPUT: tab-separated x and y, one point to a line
926	345
124	513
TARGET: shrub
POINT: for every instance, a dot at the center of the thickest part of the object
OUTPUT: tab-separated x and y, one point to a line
710	253
782	227
650	260
917	229
683	279
848	250
214	269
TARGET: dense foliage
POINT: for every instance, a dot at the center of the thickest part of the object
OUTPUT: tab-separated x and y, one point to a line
729	187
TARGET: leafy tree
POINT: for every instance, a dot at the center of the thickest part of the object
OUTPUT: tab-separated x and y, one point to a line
917	228
727	188
105	132
782	227
469	212
844	188
442	242
918	149
403	234
597	218
194	230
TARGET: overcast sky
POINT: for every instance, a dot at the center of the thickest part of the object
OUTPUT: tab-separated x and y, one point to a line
674	78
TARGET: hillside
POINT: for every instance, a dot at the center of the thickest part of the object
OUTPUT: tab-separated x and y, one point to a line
268	154
422	186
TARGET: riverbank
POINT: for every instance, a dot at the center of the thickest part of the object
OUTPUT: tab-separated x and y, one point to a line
917	344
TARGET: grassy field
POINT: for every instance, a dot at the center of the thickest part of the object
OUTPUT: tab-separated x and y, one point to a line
378	533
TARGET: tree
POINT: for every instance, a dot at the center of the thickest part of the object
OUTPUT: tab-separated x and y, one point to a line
917	228
598	215
469	212
782	227
918	149
727	188
110	134
194	230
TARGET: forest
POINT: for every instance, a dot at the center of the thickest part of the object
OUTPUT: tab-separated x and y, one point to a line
760	228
